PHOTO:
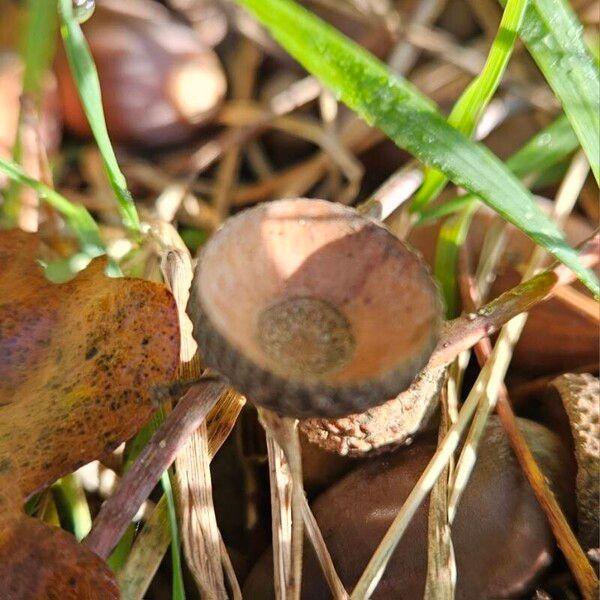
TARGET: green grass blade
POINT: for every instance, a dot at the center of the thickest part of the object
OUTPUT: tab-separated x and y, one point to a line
178	592
544	150
37	52
470	106
86	78
77	217
39	44
132	450
452	236
410	120
72	505
554	38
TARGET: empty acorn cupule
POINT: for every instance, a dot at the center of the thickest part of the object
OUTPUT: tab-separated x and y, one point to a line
312	309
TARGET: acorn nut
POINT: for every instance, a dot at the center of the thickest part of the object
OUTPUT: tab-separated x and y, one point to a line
159	82
502	539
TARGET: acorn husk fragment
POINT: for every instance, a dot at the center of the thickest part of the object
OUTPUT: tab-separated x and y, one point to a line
382	428
580	395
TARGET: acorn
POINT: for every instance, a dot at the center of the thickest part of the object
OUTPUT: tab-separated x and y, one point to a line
557	338
321	468
11	87
311	309
501	537
159	83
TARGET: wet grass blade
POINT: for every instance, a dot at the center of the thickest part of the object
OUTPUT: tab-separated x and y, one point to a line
554	38
86	78
77	217
470	106
544	150
410	120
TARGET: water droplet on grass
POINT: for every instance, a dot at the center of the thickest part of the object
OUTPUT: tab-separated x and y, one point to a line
83	9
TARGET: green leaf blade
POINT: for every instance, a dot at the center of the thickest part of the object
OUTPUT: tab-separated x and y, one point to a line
470	106
85	75
554	38
395	107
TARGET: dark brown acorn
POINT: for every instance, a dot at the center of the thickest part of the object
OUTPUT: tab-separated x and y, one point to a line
501	537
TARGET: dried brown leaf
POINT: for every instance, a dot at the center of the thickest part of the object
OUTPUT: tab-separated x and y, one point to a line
78	362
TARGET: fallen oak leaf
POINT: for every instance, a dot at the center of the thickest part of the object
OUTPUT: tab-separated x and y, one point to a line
43	562
78	362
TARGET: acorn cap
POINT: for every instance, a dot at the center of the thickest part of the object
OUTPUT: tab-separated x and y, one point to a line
313	310
502	539
381	428
580	395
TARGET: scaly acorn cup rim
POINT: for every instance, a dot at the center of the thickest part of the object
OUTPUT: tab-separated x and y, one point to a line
305	398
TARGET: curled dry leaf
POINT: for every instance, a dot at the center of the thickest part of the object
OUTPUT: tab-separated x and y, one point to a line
579	393
78	365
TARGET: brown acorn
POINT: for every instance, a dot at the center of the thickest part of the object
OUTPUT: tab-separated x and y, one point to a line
11	87
501	537
311	309
557	338
159	82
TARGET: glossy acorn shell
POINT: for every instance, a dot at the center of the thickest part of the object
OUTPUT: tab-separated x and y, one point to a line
501	537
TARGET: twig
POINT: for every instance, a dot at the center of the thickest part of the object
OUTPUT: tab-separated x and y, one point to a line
465	331
143	562
155	458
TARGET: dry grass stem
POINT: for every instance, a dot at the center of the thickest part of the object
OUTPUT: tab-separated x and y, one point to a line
199	529
285	467
441	566
565	537
461	334
509	335
243	77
